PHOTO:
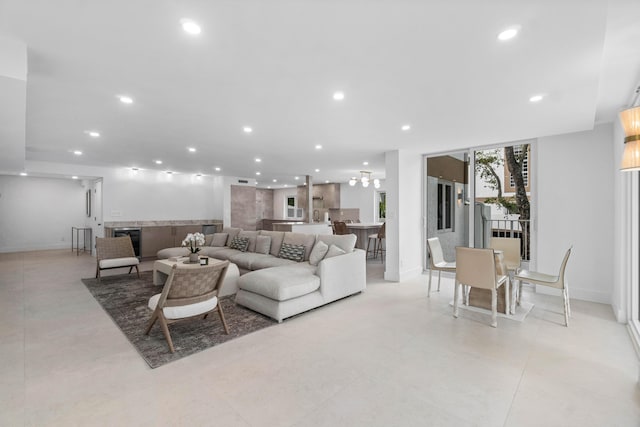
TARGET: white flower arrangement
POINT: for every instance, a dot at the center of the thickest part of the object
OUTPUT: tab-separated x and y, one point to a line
193	240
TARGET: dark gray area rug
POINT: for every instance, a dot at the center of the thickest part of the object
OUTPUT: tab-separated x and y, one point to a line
125	297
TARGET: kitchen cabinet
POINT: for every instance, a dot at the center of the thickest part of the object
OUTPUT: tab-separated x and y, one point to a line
156	238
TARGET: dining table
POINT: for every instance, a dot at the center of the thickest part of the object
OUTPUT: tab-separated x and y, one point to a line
363	230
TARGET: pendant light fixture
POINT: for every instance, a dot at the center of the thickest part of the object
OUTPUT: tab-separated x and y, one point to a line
630	120
365	179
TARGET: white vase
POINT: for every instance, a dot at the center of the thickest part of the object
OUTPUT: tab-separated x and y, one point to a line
193	257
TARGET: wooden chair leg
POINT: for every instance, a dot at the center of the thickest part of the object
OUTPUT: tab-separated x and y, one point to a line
137	271
224	322
152	321
131	269
165	331
98	273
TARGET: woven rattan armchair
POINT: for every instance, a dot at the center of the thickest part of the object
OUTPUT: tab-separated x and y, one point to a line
189	292
115	252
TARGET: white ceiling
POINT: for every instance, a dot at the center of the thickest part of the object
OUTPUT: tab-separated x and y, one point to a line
274	65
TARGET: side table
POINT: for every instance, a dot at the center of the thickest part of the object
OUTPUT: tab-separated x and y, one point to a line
77	231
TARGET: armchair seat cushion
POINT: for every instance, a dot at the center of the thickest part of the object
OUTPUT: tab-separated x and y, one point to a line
118	262
280	283
182	311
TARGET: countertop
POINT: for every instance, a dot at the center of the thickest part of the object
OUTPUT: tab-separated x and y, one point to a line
119	224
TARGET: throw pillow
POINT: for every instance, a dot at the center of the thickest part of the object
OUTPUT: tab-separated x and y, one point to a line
292	252
208	238
318	252
239	243
334	251
219	239
263	244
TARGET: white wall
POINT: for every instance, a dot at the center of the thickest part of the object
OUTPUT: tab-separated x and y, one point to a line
575	206
38	213
361	198
404	200
145	195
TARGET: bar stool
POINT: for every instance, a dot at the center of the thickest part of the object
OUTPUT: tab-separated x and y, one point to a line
377	242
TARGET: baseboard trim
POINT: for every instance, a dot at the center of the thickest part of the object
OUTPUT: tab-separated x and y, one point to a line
10	249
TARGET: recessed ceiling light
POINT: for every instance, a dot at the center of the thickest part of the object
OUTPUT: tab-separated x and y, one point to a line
190	27
365	163
275	180
509	33
217	169
77	153
74	177
536	98
158	162
296	178
258	159
269	187
286	185
317	170
257	173
169	172
198	175
318	147
406	127
192	150
247	129
125	99
23	174
327	181
338	96
92	133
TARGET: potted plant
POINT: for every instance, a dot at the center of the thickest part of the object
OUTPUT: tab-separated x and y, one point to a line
193	241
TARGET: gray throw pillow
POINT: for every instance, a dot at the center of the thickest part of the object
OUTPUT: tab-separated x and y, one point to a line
208	238
263	244
219	239
292	252
239	243
318	252
334	251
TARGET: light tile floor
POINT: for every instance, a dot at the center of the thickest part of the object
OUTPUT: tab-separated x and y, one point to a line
387	357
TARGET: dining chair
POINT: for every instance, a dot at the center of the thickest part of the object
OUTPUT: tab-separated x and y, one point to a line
340	227
557	282
437	261
377	242
189	292
477	268
510	248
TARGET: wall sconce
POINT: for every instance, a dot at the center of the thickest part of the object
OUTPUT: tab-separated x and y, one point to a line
459	197
630	120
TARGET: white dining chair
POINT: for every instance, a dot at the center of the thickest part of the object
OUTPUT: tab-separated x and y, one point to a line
437	261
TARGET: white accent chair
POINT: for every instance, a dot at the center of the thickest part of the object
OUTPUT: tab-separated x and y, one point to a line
115	252
477	268
510	247
437	261
188	292
557	282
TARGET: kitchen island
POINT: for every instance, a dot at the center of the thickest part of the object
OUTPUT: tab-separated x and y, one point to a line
304	227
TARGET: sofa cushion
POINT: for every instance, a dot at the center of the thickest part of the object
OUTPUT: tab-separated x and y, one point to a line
251	235
245	260
225	253
346	242
239	243
263	245
281	283
276	240
219	239
334	251
268	261
307	240
292	252
182	311
211	250
208	238
232	232
318	252
171	252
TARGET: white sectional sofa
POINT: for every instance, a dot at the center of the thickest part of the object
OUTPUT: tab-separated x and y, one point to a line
279	287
